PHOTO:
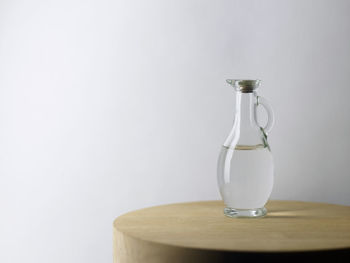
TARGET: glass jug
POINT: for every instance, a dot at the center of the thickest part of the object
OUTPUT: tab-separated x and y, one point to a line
245	165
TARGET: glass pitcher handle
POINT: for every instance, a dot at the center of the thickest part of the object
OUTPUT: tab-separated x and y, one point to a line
270	115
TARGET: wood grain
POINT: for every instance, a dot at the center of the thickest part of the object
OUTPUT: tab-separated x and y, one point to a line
199	232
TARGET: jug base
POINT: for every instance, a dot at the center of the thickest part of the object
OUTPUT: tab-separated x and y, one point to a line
251	213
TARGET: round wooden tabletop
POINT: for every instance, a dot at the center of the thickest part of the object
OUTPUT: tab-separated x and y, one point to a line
199	232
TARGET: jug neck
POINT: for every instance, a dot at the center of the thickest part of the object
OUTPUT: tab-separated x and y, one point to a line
244	128
244	115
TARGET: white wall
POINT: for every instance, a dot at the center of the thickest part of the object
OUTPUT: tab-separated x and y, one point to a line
110	106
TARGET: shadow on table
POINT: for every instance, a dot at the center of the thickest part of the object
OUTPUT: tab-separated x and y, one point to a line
291	213
287	214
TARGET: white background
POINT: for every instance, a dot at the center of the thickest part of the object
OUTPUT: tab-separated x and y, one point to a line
110	106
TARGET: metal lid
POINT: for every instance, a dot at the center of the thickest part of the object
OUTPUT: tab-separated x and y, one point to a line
244	85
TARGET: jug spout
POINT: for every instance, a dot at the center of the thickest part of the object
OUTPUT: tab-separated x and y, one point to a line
230	81
244	85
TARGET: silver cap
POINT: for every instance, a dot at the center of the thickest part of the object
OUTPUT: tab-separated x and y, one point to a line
244	85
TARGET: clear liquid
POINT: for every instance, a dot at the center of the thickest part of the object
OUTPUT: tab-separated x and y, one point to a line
245	176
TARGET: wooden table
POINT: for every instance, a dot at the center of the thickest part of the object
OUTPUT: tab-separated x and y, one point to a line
199	232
